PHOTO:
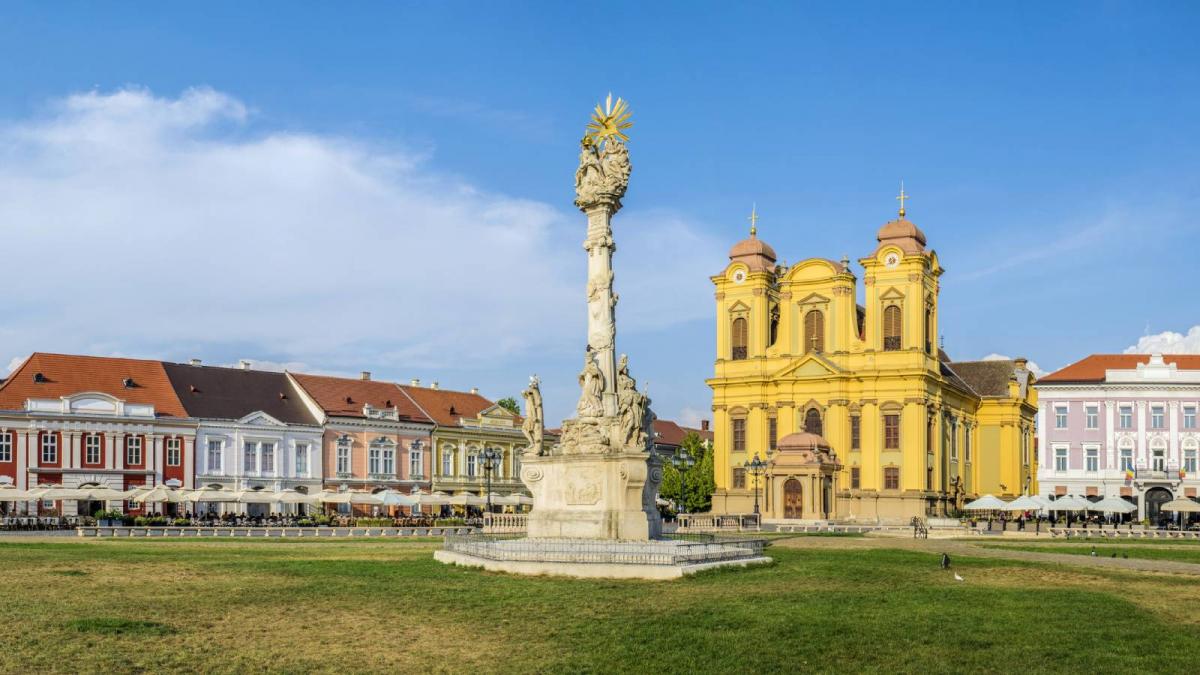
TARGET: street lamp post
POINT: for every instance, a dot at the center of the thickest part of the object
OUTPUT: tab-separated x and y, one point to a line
491	460
757	467
682	461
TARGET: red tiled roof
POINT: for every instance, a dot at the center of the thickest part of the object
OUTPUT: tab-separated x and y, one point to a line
1092	368
447	407
669	433
345	397
66	375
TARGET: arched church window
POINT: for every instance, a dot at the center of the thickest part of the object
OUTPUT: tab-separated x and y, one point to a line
812	422
814	331
774	334
740	338
892	328
928	329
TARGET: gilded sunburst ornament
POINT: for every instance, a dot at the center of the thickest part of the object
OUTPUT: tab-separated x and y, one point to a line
609	121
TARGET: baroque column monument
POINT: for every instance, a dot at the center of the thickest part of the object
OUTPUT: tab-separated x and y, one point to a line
600	481
594	511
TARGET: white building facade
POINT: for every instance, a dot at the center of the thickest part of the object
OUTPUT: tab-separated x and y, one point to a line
1123	426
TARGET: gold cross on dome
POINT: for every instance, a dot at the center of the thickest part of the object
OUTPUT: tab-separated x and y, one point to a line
902	197
753	220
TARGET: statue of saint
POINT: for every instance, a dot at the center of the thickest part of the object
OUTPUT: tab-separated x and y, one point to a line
591	380
631	405
533	427
589	177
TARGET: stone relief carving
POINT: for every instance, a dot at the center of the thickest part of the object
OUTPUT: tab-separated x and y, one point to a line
603	174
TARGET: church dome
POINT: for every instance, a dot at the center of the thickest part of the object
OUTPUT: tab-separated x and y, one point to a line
903	233
755	253
803	440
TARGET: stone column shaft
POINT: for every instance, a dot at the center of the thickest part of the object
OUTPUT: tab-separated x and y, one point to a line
602	326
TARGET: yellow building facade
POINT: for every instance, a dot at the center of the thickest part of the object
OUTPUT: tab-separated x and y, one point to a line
891	428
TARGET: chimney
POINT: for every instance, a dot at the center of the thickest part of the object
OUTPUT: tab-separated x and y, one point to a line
1021	362
433	385
703	425
365	375
414	382
475	390
194	362
245	364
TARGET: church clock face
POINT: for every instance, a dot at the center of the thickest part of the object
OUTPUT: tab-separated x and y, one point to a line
739	276
891	260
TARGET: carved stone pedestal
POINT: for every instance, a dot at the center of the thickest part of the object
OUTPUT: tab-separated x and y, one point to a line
594	496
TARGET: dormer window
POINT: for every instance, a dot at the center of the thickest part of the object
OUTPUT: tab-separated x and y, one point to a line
453	411
349	400
128	383
39	378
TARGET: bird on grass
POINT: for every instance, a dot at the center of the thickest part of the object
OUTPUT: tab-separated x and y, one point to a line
1114	554
945	561
958	578
1093	551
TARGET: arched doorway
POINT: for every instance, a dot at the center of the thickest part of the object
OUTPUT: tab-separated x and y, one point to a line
1155	498
792	506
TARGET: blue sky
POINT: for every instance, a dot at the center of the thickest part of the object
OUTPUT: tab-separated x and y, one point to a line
388	186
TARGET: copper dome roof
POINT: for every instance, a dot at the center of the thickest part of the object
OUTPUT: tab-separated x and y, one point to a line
803	440
903	233
756	253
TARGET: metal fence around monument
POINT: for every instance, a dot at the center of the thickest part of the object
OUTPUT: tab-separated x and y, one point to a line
689	549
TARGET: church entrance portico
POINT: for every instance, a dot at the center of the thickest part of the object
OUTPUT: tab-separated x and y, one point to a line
800	479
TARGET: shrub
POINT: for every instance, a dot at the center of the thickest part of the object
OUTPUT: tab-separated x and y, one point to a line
182	522
450	521
373	522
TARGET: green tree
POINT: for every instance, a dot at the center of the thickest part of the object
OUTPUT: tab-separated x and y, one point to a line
510	404
698	482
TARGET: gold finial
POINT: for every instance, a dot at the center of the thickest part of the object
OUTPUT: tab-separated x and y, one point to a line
753	220
902	197
609	121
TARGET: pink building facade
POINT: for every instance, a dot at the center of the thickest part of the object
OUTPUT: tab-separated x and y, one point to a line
1123	426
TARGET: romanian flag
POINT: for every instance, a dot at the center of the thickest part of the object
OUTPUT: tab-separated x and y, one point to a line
1182	474
1128	474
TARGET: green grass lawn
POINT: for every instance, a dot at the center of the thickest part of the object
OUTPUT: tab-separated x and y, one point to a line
354	606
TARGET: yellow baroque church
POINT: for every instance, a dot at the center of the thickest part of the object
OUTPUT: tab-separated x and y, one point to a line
853	410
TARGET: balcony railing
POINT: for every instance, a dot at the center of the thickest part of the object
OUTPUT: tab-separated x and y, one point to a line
891	344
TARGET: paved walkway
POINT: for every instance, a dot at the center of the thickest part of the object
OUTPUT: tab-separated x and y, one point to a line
959	547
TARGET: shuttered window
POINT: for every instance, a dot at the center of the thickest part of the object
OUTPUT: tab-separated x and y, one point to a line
892	331
739	435
740	339
814	331
891	432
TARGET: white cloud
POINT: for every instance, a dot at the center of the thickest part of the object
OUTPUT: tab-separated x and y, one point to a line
15	363
1031	365
167	227
691	417
1168	342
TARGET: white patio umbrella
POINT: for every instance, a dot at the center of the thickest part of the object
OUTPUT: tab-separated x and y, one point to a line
252	496
515	499
104	493
159	494
466	499
10	493
1114	505
294	497
56	492
211	494
1024	503
348	497
434	499
1070	503
394	498
1181	505
987	503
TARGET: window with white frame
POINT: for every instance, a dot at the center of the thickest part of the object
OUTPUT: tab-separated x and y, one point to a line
1127	458
1158	454
49	448
174	453
1126	415
1092	459
216	448
1189	460
1060	417
133	449
447	461
91	448
1060	459
267	458
1158	417
1092	416
301	460
250	457
389	460
416	467
471	461
6	452
343	457
1189	417
374	459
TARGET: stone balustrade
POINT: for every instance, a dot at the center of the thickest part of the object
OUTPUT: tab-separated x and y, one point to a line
709	522
224	531
505	523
